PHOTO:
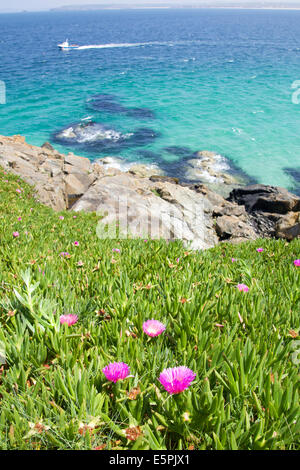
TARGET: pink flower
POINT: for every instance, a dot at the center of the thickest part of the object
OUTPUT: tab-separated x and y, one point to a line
116	371
74	216
70	319
176	379
153	328
297	262
61	217
65	254
233	260
259	250
242	287
177	260
76	243
117	250
18	190
16	234
19	219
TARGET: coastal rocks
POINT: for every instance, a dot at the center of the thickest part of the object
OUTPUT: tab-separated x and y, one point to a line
145	171
273	211
58	179
212	169
146	204
232	227
259	197
143	208
47	146
288	226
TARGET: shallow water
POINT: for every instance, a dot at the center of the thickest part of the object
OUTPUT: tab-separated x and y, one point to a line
168	83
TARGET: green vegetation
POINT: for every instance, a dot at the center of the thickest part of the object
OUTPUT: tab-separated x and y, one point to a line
53	394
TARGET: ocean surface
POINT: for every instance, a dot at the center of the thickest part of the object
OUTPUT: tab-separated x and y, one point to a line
155	86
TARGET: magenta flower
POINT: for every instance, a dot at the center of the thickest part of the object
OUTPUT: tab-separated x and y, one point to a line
233	260
61	217
153	328
19	219
116	250
64	254
242	287
116	371
177	260
70	319
259	250
176	379
16	234
297	262
76	243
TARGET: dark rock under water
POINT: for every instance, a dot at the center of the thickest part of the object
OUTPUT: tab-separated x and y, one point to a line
295	174
110	104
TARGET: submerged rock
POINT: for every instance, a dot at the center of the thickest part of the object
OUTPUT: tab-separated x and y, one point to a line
110	104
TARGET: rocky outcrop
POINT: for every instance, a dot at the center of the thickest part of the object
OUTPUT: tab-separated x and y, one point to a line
142	202
273	211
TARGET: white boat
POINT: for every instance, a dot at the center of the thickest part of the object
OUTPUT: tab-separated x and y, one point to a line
66	46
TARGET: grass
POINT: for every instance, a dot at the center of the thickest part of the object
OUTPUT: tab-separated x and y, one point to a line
53	394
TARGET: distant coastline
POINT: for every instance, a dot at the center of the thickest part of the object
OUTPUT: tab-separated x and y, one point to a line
211	5
166	6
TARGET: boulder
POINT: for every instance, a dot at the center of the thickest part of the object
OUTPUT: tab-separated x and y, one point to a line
81	163
144	171
288	226
231	226
148	209
259	197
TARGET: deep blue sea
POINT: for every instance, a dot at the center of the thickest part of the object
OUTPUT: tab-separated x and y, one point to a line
157	85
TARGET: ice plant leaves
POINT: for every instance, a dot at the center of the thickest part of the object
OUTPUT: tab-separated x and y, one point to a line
242	346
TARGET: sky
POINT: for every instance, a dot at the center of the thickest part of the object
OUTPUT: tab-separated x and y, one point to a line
14	5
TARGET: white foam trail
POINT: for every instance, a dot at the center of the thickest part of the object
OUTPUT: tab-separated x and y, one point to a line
133	44
107	46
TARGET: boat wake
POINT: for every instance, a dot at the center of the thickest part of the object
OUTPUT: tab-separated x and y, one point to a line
134	44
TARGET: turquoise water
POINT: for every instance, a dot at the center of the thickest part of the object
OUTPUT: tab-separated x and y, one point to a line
178	81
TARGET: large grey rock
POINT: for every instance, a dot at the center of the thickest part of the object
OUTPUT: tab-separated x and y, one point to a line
81	163
150	210
232	227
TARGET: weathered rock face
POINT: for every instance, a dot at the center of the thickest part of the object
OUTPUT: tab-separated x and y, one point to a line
59	179
150	209
273	211
151	205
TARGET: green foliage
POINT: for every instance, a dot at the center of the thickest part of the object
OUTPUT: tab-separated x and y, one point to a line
53	394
